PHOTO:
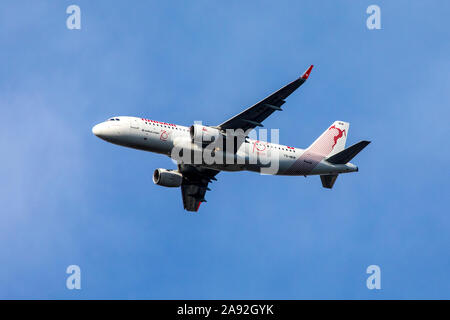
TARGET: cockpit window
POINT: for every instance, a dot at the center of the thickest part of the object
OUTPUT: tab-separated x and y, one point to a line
117	119
112	119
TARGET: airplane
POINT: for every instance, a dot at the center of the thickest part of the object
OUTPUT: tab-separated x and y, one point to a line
326	156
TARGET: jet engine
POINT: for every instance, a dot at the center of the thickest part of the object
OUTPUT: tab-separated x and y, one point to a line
203	134
167	178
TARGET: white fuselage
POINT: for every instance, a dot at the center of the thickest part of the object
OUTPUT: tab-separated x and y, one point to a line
161	137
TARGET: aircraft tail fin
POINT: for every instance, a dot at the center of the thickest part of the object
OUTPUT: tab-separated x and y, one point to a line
332	140
348	154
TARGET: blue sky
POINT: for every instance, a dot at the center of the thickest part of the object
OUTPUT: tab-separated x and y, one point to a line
69	198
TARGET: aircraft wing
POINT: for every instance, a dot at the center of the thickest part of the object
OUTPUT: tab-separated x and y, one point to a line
194	185
256	114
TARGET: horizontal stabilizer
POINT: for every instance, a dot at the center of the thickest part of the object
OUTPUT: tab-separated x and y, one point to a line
328	180
348	154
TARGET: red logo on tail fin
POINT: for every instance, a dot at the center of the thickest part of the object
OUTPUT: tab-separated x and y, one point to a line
338	136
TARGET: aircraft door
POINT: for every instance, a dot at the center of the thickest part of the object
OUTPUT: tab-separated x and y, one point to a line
135	124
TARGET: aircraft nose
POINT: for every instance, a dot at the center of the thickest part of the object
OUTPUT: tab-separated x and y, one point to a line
98	130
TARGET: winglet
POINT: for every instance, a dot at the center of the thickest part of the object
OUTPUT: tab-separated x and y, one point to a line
307	73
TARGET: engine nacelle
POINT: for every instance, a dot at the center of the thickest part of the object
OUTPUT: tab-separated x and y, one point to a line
167	178
203	134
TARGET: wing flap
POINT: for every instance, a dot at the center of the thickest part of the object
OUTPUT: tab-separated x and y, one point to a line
194	185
